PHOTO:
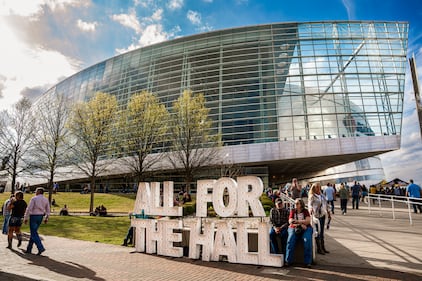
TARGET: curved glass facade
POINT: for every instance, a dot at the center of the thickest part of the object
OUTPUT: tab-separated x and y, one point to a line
279	83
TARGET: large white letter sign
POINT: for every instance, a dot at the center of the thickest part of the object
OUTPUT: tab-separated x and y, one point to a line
211	238
196	239
148	199
265	258
168	236
143	198
168	202
243	254
251	196
140	227
218	197
225	243
203	197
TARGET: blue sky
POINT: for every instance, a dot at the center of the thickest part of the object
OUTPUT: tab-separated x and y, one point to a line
44	41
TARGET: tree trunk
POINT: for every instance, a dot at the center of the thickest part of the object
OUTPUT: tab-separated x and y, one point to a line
50	186
91	203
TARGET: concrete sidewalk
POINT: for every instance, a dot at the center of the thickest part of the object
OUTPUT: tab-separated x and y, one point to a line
363	247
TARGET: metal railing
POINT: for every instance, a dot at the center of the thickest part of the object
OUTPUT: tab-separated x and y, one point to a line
377	199
289	202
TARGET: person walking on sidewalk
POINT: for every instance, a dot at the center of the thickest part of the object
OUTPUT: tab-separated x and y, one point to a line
38	209
6	214
17	209
344	197
330	194
356	192
414	191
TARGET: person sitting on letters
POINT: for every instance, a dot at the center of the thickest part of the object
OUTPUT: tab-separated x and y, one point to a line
279	219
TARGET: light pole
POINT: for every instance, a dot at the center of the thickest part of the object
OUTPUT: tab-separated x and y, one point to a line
415	81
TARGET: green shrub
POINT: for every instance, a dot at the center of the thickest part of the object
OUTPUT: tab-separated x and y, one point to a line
267	208
265	200
189	208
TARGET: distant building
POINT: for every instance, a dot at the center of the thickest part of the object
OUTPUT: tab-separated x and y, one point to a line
366	171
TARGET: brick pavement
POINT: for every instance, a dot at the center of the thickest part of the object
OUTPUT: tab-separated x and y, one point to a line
363	247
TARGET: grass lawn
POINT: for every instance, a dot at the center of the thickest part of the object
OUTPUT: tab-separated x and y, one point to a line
110	230
76	202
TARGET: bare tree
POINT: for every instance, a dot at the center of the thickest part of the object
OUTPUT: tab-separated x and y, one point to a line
91	124
16	138
194	145
144	123
50	148
231	170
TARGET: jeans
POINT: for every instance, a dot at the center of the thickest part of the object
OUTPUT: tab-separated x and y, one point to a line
416	206
331	202
355	201
322	225
306	237
273	241
343	203
6	224
34	223
129	236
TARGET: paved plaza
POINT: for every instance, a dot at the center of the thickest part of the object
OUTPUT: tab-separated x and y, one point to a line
363	245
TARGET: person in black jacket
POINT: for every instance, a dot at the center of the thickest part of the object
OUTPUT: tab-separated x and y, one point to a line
17	208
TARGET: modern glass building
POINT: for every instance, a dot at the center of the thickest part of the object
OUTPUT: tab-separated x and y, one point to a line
289	99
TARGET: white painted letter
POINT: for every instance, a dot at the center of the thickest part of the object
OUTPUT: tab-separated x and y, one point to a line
218	197
203	197
246	196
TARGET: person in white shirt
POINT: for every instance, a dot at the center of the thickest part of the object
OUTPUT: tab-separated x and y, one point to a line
37	211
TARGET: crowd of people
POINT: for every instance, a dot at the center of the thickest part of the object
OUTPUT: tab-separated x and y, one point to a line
298	223
289	224
16	212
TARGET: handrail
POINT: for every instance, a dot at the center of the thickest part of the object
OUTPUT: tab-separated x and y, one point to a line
289	202
394	198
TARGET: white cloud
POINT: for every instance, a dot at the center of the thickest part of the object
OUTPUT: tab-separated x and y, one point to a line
405	162
13	7
157	16
86	26
34	7
129	20
144	3
207	1
28	66
205	28
175	4
61	4
149	29
153	33
194	17
348	4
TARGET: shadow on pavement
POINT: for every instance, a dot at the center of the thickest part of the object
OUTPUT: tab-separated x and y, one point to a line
317	272
70	269
13	277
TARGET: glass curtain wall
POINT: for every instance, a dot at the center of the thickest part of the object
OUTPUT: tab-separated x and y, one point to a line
344	80
269	83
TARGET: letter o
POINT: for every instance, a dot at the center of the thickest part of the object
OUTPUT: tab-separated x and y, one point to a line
218	197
